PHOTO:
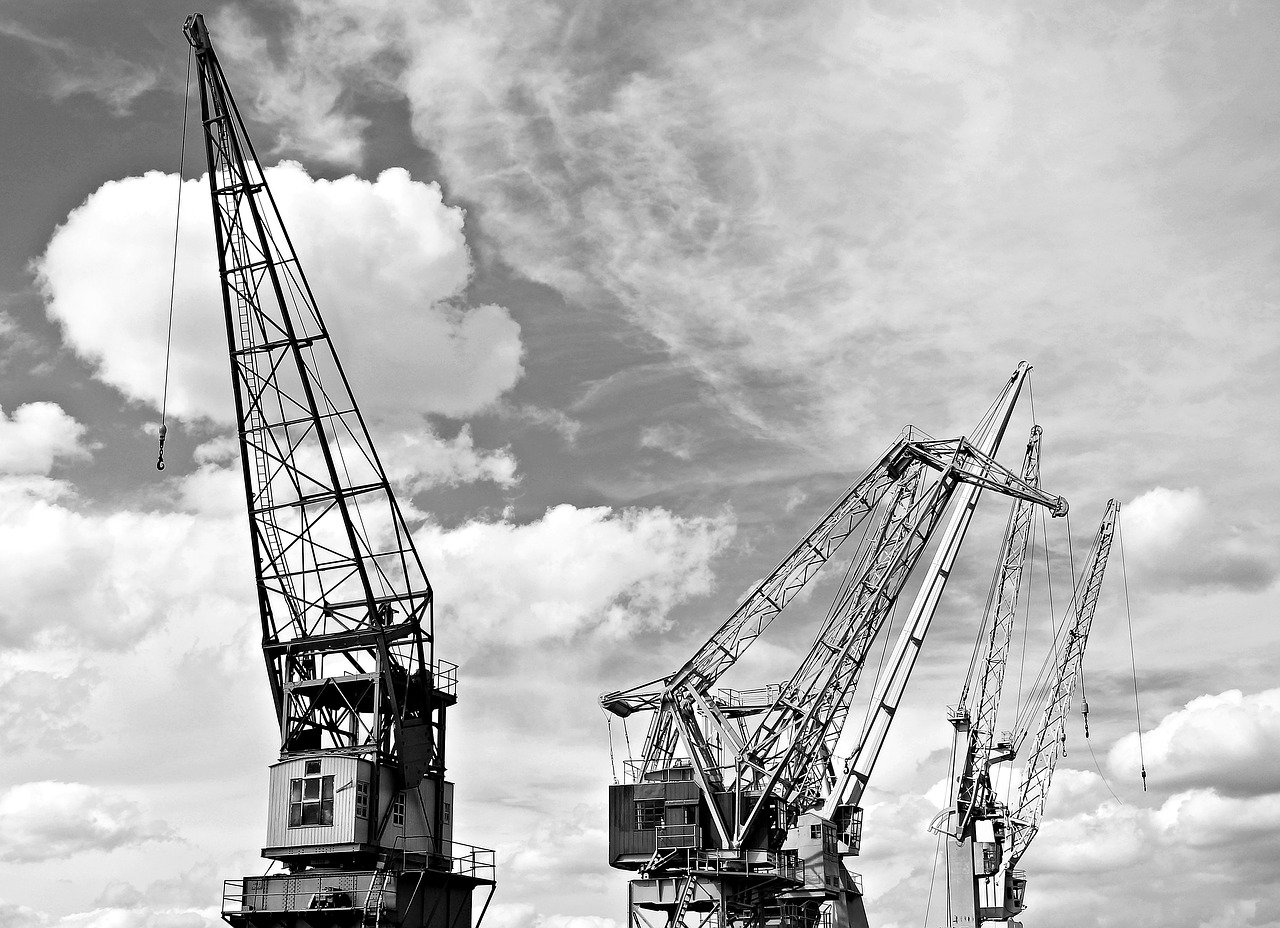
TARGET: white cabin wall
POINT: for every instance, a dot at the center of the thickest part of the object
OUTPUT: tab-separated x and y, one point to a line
346	828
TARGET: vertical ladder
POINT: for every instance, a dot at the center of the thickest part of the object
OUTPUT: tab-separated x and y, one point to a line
256	432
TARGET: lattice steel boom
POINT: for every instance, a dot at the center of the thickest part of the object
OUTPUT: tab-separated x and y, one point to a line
359	801
984	839
748	827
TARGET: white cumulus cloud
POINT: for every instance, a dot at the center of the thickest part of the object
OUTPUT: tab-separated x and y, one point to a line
571	571
1204	818
386	259
38	709
1174	538
524	915
1161	519
1229	742
49	820
105	580
417	458
35	436
142	916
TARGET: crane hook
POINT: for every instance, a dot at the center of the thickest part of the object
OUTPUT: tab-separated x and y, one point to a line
164	430
1085	712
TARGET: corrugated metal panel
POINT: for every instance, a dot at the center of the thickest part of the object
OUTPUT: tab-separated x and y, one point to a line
624	838
346	771
682	791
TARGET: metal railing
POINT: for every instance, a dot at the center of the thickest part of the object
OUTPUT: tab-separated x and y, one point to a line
289	893
309	891
680	769
760	697
446	677
454	856
677	836
785	865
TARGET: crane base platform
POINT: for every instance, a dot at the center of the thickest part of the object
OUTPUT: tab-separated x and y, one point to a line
352	899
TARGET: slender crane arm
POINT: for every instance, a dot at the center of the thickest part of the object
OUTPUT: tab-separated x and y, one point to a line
1047	747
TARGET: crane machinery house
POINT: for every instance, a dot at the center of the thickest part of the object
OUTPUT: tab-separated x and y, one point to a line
360	815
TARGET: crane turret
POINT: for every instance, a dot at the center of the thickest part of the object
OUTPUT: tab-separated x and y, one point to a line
738	809
360	812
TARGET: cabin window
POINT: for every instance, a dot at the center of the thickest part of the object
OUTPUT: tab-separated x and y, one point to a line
649	814
397	811
681	814
362	799
815	832
310	801
447	812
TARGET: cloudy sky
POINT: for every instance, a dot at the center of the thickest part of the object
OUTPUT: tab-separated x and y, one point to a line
629	293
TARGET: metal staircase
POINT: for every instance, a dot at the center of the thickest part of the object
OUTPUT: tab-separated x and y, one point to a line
686	897
373	899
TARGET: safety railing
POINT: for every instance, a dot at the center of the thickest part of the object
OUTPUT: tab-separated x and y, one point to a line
454	856
287	893
680	769
446	678
676	836
784	865
761	697
307	891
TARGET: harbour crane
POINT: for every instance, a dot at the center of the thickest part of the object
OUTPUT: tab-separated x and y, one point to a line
359	813
984	838
738	812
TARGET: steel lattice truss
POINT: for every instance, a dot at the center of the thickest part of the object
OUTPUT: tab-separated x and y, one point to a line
1047	748
346	606
780	741
798	750
974	785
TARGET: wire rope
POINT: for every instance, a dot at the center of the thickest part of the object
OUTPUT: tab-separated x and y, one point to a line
173	276
1133	664
933	875
1101	775
613	764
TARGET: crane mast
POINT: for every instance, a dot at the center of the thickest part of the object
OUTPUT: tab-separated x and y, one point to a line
360	812
749	824
984	839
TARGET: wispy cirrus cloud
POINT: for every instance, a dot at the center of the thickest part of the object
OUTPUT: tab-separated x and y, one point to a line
842	216
70	68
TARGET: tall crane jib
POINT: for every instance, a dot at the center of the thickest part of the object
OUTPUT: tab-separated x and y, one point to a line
359	811
984	837
739	811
